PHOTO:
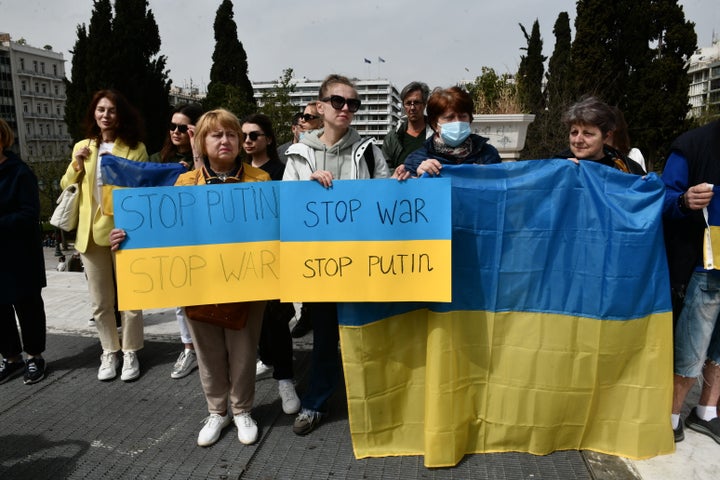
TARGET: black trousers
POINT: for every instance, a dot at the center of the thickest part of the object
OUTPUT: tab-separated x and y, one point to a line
275	347
31	317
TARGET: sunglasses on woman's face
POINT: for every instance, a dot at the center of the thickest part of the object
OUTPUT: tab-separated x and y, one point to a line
254	135
339	102
309	118
180	127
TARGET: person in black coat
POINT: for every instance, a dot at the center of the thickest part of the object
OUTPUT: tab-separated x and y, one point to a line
22	273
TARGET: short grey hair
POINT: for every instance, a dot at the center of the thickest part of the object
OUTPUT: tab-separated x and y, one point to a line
591	111
413	86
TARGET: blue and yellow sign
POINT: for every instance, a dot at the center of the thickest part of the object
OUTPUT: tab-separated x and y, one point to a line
366	241
362	240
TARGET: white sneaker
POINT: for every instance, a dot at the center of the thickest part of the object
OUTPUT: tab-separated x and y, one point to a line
186	363
131	367
247	428
108	366
290	399
261	369
210	433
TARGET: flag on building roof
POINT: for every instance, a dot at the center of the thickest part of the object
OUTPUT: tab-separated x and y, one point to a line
367	61
559	334
381	60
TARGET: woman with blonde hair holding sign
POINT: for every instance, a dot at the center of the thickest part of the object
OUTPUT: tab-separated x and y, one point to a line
226	355
335	152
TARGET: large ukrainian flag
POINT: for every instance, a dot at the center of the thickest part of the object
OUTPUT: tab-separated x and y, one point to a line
558	336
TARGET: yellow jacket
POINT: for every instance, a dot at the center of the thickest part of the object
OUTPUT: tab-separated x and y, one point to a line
92	220
249	174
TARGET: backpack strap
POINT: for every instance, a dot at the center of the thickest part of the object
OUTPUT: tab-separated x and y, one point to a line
369	156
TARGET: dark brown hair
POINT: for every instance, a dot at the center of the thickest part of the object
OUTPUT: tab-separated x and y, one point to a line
130	127
453	98
265	124
191	110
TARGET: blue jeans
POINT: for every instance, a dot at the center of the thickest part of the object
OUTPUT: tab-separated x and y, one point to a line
697	333
325	364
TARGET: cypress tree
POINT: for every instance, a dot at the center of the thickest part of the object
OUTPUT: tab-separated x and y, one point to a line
76	91
120	52
558	90
142	77
633	55
529	85
229	85
89	71
656	104
99	72
531	71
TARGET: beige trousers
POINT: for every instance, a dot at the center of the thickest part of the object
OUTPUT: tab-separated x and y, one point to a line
226	361
99	263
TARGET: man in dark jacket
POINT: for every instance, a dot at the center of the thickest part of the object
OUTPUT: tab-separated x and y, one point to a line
690	176
410	133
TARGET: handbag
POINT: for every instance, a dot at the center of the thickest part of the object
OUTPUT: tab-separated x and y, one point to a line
227	315
66	214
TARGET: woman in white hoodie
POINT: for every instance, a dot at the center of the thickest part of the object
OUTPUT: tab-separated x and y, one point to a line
335	152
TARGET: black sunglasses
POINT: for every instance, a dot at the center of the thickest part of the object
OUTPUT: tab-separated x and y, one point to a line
308	118
180	128
254	135
339	102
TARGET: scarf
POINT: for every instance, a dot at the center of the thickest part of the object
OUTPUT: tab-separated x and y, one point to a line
460	152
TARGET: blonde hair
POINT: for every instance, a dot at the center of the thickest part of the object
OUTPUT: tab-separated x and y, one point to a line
212	120
7	137
334	79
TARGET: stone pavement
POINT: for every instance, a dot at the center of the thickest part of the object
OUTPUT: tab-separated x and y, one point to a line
70	425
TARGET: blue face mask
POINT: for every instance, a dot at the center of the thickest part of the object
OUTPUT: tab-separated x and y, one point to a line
454	133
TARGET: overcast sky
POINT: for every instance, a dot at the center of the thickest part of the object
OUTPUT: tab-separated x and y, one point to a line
440	42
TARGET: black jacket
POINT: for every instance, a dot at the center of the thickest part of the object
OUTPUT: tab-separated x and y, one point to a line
22	271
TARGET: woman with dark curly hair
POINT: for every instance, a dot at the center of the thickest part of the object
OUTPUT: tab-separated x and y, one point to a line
114	127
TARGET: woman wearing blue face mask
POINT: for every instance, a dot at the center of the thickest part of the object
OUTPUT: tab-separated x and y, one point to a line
449	113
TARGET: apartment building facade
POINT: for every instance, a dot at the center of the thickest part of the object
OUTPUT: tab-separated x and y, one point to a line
704	73
32	99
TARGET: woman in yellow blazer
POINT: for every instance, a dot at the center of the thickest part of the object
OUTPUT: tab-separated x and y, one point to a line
113	126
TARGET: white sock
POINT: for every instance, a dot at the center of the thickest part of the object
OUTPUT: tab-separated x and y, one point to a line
705	412
287	381
675	420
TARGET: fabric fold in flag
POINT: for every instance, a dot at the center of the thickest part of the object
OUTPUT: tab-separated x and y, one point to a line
559	335
120	172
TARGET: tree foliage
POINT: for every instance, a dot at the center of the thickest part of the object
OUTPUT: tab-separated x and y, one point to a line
229	85
531	71
142	76
633	55
493	93
276	103
48	173
547	135
120	51
530	93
